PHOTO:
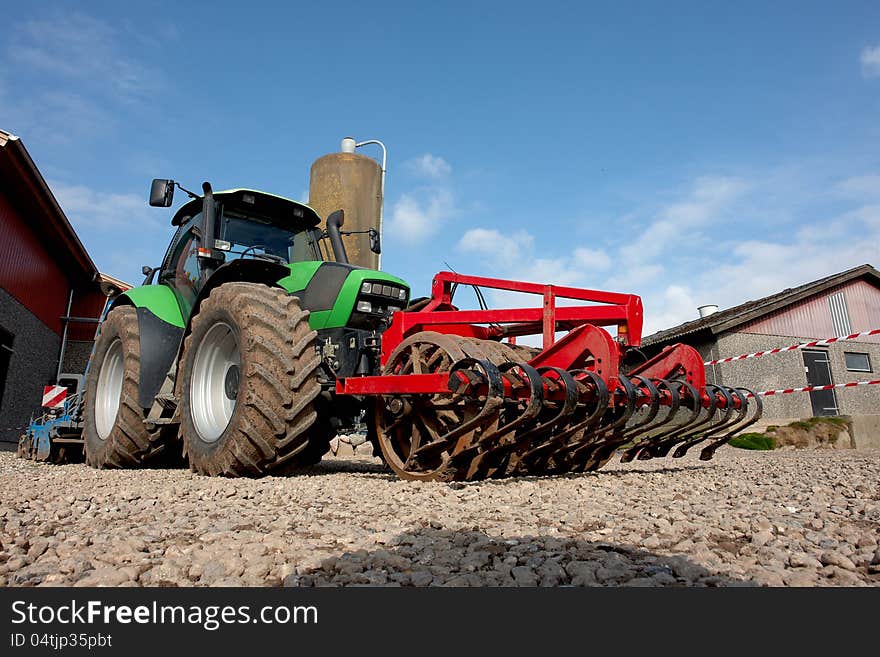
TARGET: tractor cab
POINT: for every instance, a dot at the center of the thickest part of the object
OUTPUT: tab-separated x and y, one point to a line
252	224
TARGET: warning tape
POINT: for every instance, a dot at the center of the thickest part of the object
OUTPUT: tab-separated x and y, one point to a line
785	391
806	345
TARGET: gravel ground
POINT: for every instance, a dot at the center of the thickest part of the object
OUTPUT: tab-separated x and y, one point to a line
795	518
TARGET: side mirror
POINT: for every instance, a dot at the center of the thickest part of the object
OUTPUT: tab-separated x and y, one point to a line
161	193
148	273
375	243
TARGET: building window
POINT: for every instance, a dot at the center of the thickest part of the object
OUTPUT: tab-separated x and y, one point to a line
839	314
5	357
857	362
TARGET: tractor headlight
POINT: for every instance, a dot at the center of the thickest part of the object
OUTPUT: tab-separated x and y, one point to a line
364	307
401	294
366	287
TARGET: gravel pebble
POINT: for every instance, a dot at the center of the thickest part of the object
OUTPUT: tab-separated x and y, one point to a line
786	518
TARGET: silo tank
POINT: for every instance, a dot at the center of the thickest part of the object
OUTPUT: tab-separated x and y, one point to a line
352	183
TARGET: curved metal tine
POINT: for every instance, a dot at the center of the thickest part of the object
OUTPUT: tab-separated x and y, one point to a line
735	414
674	404
566	409
582	453
494	398
604	452
548	449
500	438
568	406
719	420
694	407
662	447
757	403
640	426
533	406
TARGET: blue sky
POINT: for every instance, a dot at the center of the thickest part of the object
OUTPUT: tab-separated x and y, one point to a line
691	153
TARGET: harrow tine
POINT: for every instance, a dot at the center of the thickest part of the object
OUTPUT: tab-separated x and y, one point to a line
579	457
644	445
589	413
739	414
709	450
605	451
565	411
492	445
662	447
491	376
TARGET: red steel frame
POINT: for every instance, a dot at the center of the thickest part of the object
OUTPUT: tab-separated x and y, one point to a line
623	310
583	340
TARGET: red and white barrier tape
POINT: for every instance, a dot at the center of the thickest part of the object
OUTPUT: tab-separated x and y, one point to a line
806	345
785	391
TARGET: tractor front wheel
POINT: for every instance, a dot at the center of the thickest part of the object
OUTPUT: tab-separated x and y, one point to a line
113	422
248	383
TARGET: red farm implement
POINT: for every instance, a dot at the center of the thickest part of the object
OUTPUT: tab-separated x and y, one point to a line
459	400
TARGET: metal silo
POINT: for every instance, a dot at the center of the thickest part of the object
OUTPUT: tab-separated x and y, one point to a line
352	183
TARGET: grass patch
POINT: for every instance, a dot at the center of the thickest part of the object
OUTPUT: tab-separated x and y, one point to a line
758	441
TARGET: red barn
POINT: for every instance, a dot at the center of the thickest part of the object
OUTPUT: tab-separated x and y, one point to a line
50	290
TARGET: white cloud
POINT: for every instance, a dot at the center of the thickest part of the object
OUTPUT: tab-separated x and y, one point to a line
429	166
74	46
416	216
592	258
717	244
88	208
860	187
489	242
870	60
676	222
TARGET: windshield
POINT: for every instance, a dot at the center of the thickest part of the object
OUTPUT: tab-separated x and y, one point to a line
250	237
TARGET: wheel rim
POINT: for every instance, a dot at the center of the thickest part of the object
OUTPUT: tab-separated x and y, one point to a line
214	382
109	390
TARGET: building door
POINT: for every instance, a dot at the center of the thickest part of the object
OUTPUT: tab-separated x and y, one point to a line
818	369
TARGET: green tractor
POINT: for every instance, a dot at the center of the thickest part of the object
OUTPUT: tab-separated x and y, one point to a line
232	346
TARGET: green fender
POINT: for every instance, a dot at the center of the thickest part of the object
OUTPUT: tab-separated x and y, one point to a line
158	299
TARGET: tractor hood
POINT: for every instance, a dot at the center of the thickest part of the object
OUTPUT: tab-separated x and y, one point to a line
331	291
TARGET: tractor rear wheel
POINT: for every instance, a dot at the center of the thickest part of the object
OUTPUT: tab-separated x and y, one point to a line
248	383
113	421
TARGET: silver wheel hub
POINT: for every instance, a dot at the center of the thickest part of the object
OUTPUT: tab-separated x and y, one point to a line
109	389
214	383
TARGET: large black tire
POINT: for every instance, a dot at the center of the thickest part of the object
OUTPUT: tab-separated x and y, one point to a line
127	443
274	388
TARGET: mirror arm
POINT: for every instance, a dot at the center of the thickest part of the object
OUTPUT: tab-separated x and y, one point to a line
185	190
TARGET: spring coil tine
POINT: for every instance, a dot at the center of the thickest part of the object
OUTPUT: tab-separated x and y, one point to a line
654	392
494	396
539	456
674	405
735	415
498	440
719	419
641	449
605	451
662	447
566	409
580	456
533	406
756	403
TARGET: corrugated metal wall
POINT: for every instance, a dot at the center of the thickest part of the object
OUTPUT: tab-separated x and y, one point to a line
812	318
27	271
